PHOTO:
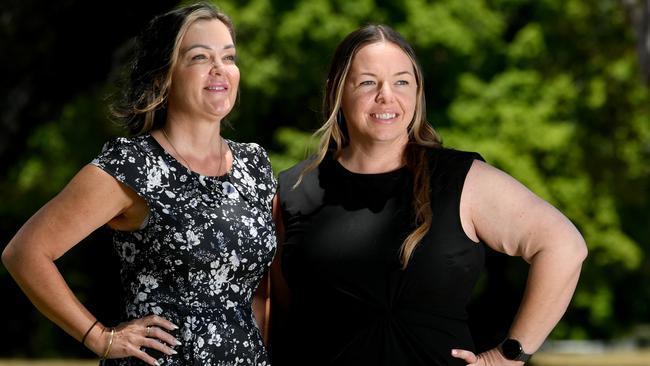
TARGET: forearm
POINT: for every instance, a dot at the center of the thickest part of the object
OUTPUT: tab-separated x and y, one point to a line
259	311
261	304
43	284
552	280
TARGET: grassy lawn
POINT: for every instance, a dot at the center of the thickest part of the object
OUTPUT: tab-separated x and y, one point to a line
49	362
641	358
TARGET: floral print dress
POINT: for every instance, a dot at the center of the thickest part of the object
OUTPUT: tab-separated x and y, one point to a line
201	253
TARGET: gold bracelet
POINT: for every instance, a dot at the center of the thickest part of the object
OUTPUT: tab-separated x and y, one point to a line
110	343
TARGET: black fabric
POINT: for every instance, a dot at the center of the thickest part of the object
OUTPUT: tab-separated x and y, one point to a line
201	255
352	304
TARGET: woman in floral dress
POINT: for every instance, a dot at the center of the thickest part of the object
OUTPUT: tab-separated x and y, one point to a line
190	210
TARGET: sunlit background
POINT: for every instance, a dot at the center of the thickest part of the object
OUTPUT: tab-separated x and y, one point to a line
554	92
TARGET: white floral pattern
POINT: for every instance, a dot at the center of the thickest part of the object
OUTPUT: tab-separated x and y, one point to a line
202	253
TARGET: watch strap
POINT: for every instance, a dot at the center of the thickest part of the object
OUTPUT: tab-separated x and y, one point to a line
511	349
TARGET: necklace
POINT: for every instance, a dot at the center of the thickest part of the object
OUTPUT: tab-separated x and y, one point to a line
185	161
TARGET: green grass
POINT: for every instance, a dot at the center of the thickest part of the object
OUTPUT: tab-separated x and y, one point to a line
62	362
640	358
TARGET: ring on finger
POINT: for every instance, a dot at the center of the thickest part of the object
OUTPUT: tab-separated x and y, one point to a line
148	330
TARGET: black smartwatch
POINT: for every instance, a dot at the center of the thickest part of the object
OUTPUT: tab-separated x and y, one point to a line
512	350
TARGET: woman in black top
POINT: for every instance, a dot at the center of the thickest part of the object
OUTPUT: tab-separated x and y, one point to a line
383	230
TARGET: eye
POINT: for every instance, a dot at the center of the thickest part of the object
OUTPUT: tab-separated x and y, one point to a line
366	83
230	58
199	57
402	82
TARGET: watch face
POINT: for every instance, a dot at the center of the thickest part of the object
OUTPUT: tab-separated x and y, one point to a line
511	349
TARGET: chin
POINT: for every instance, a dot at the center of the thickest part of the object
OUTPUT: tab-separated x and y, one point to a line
388	137
221	110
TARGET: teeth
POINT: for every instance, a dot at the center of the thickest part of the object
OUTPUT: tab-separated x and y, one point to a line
384	115
216	88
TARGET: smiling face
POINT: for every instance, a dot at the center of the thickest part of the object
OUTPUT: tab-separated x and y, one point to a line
379	95
205	78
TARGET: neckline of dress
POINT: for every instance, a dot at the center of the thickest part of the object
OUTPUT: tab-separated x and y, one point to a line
175	161
389	174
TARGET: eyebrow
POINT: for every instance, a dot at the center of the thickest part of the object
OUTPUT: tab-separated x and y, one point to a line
396	74
226	47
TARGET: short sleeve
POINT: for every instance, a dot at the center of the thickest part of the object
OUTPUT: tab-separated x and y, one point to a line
124	160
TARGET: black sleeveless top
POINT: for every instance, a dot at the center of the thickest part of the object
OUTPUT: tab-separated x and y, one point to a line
352	304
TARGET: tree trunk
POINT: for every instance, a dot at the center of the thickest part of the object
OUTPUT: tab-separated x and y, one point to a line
639	14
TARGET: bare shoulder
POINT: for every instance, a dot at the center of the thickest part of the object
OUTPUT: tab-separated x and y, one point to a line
488	185
483	176
92	182
90	200
507	215
95	195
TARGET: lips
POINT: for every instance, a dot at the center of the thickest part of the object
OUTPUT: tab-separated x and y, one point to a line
216	87
384	116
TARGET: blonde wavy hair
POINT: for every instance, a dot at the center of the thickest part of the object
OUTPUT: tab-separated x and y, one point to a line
333	135
143	105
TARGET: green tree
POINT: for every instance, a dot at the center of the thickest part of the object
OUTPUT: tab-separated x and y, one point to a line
567	114
550	91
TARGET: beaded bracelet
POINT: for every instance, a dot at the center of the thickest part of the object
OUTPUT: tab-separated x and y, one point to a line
110	343
83	340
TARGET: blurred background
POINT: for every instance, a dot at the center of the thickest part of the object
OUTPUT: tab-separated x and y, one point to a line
554	92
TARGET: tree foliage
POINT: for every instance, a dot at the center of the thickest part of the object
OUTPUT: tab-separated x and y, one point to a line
549	91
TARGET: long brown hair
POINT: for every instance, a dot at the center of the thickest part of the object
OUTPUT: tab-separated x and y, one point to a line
421	136
143	106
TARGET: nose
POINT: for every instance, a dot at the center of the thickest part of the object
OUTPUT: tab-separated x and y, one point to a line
384	94
217	68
